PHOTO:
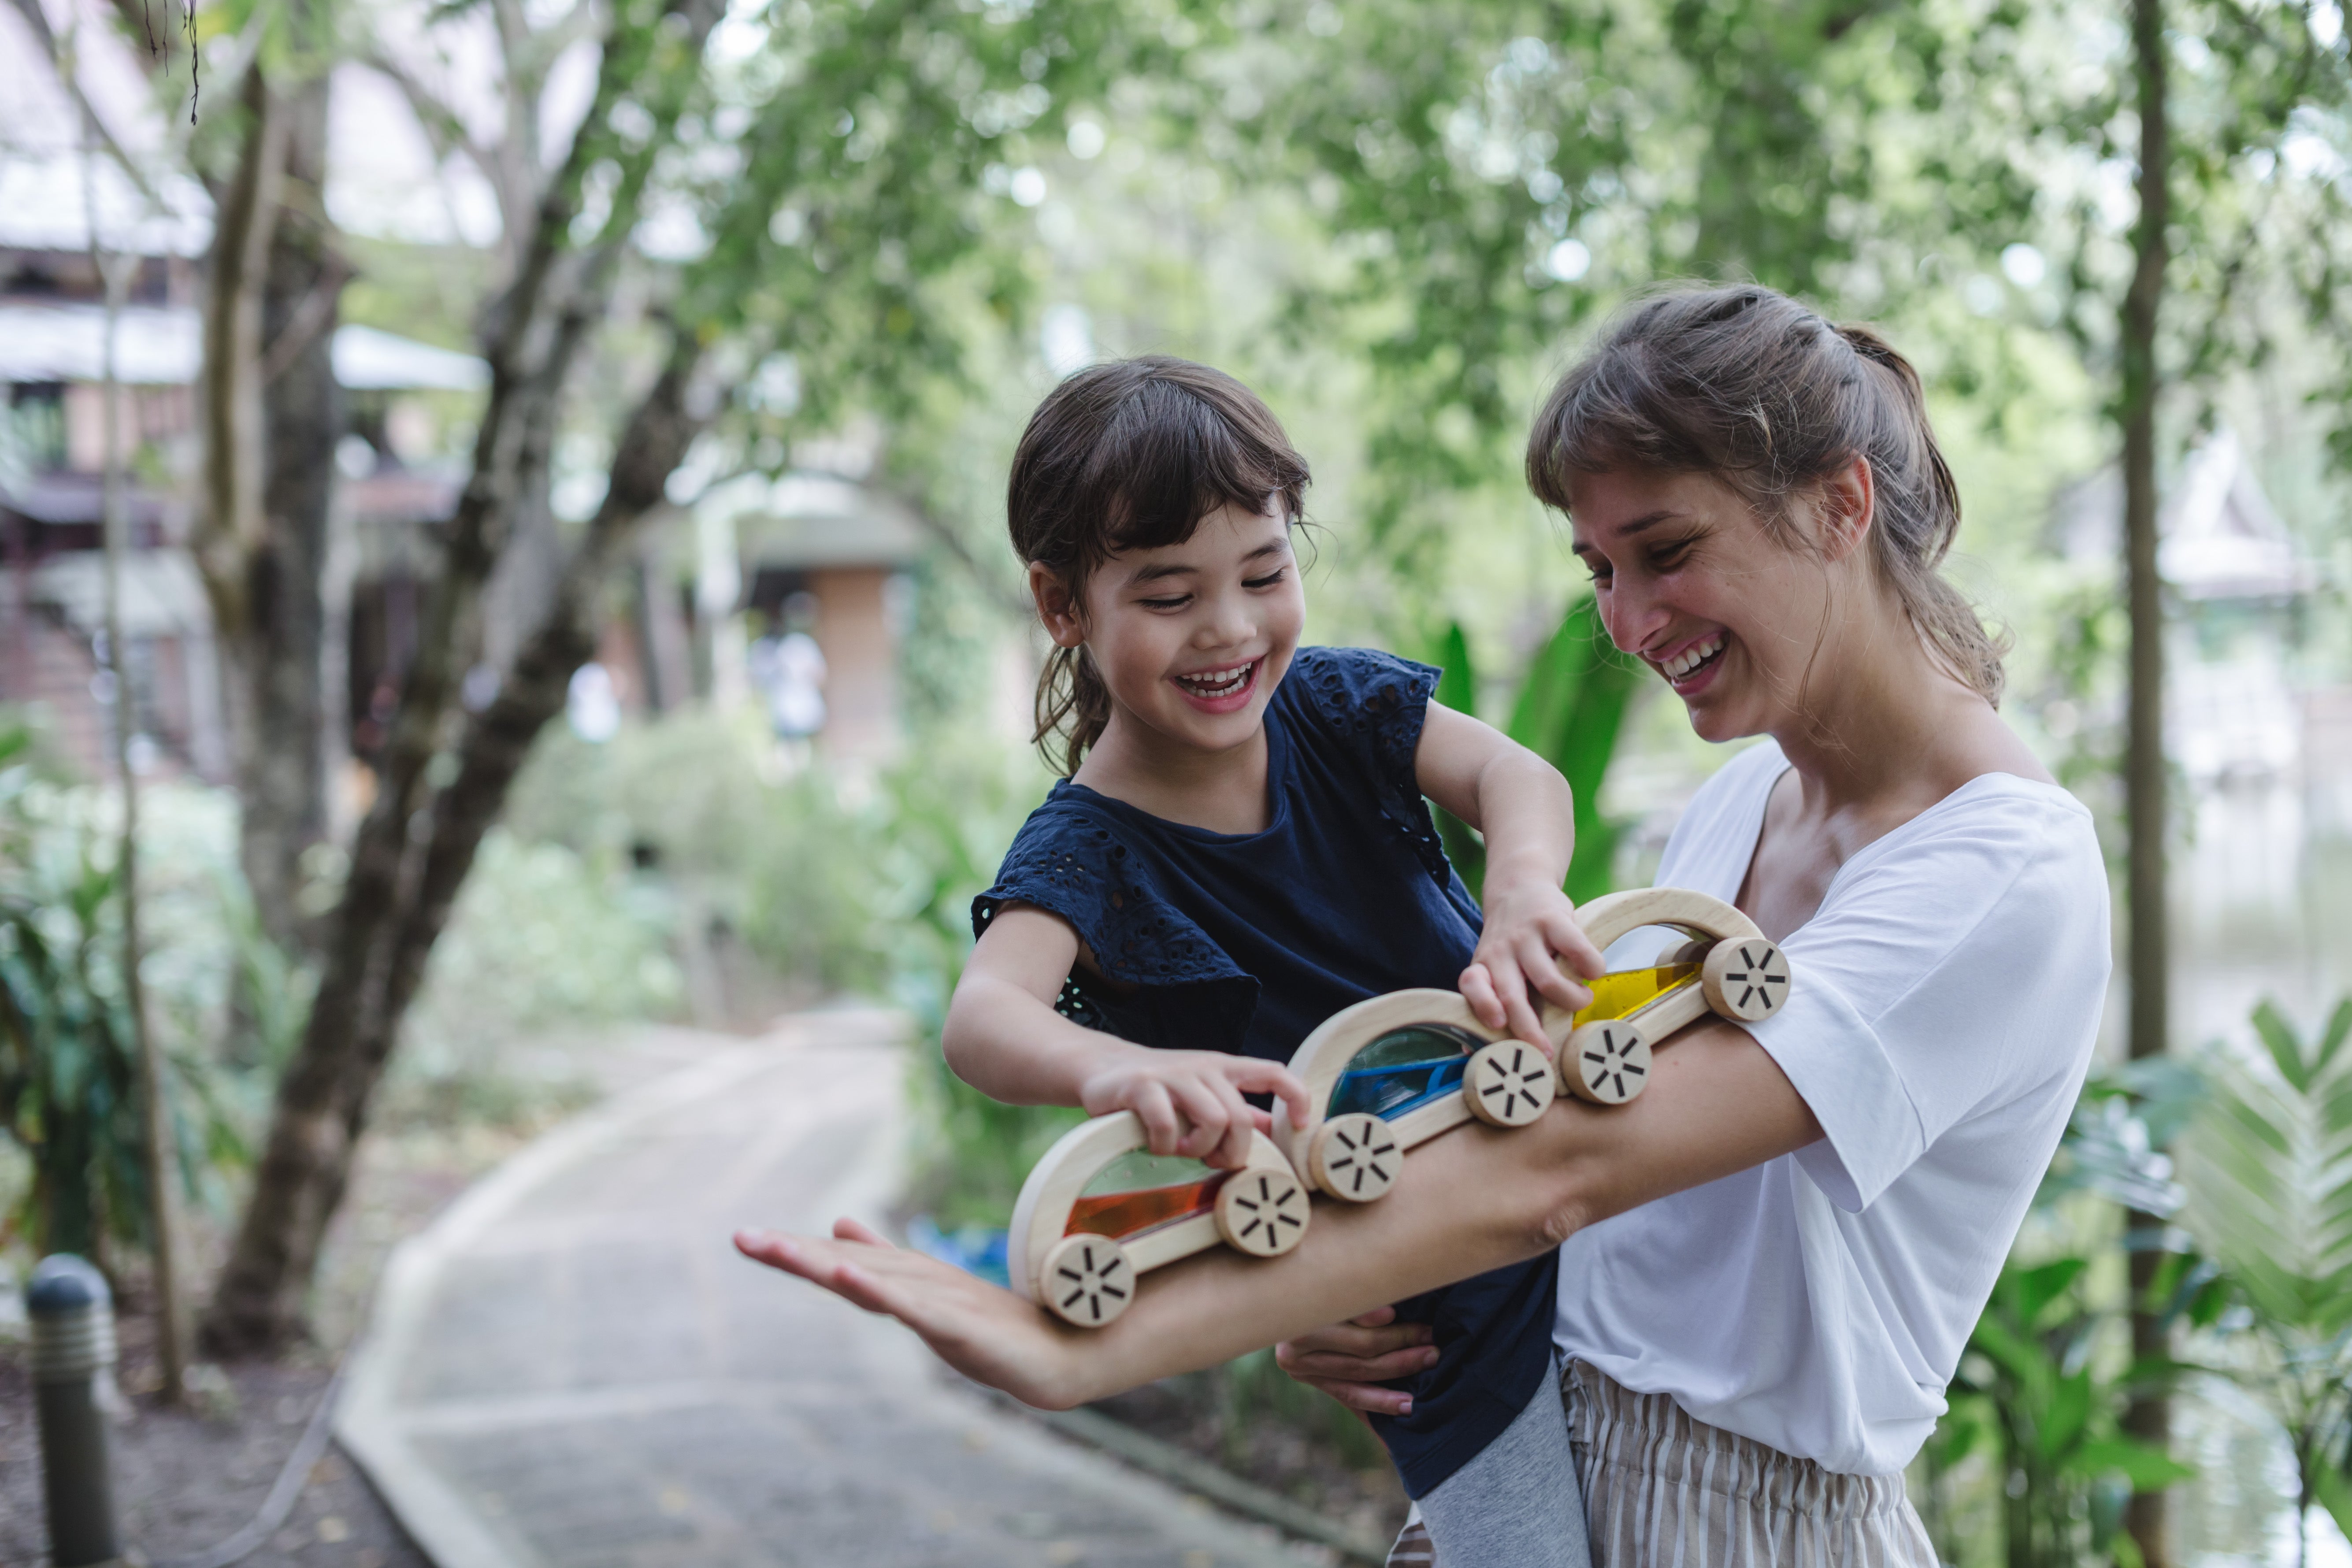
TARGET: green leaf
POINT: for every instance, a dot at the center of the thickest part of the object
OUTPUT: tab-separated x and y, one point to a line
2278	1035
2333	1491
2148	1468
2340	1029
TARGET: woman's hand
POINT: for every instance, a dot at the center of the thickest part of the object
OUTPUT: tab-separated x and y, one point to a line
1530	927
989	1334
1347	1361
1190	1101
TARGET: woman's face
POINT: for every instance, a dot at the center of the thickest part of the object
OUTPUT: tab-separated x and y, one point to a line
1691	583
1193	638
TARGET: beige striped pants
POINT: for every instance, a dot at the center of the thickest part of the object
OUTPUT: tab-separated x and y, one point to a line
1663	1490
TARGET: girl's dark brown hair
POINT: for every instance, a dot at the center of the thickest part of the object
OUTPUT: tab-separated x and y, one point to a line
1132	455
1748	385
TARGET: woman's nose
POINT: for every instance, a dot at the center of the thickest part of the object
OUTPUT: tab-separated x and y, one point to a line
1631	613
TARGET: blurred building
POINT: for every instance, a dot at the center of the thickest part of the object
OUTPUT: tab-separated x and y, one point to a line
808	556
52	457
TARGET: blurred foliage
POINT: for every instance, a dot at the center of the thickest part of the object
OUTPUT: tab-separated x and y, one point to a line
1569	708
69	1073
2268	1165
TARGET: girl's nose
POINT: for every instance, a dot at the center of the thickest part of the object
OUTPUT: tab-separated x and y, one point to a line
1230	618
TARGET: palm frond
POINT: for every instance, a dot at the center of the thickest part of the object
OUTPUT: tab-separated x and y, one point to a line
2268	1167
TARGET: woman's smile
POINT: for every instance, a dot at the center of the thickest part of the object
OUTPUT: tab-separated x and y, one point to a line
1691	668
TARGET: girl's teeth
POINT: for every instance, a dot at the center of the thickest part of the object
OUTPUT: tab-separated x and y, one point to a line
1217	683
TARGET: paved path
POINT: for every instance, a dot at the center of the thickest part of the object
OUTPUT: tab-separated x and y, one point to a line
573	1369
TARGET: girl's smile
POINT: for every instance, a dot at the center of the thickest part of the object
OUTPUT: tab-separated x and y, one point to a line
1220	691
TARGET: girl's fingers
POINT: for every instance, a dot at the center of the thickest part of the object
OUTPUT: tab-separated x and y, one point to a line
1518	1014
1240	1127
1258	1076
1540	963
1364	1396
1199	1105
1378	1317
1364	1369
1477	987
1349	1340
1583	955
1158	1113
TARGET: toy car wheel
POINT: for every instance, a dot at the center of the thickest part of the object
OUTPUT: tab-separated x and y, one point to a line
1686	951
1746	979
1606	1062
1354	1157
1086	1280
1262	1211
1508	1083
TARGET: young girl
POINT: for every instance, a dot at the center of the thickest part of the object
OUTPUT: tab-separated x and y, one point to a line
1241	848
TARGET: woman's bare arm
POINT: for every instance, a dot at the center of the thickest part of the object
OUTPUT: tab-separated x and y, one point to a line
1473	1200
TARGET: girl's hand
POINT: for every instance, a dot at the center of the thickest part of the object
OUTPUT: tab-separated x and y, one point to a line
989	1334
1530	927
1347	1361
1190	1101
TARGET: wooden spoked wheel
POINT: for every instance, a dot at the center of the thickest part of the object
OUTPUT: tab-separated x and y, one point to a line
1508	1083
1262	1212
1606	1062
1355	1158
1086	1280
1746	979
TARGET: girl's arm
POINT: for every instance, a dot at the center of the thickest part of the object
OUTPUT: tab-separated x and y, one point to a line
1471	1202
1003	1038
1528	814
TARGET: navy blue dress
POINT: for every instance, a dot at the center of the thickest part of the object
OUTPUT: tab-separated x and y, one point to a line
1244	943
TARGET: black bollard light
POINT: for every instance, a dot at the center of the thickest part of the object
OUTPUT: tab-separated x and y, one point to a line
73	1354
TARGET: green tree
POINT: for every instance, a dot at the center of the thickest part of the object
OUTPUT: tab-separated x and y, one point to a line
831	163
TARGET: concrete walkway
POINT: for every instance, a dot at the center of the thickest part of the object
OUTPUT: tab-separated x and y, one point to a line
573	1369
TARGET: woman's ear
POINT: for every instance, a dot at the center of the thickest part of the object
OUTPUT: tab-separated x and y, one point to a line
1848	501
1057	608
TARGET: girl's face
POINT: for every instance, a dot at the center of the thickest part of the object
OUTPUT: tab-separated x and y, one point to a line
1690	582
1190	638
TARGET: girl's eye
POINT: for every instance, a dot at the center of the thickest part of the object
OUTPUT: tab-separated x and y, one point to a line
1178	603
1267	581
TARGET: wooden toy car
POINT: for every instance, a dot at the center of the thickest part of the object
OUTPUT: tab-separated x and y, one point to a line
1397	1070
1101	1208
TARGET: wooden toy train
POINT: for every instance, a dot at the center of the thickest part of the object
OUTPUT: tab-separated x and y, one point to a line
1382	1077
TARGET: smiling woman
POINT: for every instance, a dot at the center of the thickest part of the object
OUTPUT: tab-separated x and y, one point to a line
1767	1263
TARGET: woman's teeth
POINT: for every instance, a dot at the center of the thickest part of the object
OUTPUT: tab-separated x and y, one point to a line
1691	657
1215	683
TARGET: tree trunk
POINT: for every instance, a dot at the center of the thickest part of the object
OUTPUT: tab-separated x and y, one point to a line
413	863
272	415
283	758
2148	1416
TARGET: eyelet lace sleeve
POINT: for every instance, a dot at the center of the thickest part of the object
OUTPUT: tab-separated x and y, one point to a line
1169	984
1376	704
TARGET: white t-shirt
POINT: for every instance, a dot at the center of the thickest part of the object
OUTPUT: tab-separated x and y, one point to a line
1944	1002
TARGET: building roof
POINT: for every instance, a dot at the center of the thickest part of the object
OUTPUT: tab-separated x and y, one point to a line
2219	536
812	521
162	345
